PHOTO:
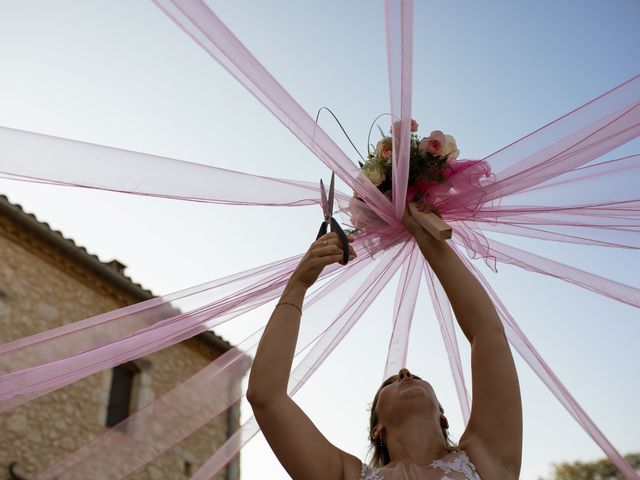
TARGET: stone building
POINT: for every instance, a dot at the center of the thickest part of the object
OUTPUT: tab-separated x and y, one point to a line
46	281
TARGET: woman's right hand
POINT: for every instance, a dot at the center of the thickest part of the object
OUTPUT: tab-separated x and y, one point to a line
302	450
324	251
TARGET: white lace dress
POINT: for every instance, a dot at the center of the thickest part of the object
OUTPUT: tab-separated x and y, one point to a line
454	466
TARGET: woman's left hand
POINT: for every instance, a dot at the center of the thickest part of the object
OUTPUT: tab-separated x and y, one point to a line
410	222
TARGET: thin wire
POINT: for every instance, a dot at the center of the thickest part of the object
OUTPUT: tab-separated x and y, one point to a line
371	128
342	128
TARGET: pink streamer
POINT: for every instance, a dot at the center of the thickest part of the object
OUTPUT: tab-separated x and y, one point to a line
403	310
535	263
93	355
523	197
93	332
81	352
601	119
347	318
399	23
208	31
166	421
39	158
442	308
530	355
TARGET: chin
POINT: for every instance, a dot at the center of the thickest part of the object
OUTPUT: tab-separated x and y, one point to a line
415	397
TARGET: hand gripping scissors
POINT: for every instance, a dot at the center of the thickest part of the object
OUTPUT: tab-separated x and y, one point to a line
329	221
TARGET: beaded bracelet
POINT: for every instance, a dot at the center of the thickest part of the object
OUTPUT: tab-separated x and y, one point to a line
292	304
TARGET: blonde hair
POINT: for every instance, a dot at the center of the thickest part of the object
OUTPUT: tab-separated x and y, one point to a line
378	450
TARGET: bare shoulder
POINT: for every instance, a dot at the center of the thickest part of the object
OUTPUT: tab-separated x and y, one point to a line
487	465
351	467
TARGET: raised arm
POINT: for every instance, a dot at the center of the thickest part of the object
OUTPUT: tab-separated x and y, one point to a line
495	425
302	450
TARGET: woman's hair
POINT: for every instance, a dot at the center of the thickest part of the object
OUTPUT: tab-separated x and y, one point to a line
380	454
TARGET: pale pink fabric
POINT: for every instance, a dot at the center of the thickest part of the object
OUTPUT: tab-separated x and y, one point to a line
521	343
399	26
443	312
201	24
166	421
47	361
540	186
39	158
346	319
403	308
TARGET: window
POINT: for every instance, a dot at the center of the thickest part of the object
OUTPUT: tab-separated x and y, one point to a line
120	396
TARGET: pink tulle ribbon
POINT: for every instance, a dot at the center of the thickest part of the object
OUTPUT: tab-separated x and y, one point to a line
541	186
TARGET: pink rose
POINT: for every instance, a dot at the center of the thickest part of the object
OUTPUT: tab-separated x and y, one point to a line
396	126
384	149
433	144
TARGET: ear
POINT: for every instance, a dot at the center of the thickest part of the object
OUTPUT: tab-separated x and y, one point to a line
444	423
378	432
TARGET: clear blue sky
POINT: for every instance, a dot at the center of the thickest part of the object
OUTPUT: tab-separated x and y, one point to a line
120	73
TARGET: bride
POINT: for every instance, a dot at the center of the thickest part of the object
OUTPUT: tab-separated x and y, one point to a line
408	429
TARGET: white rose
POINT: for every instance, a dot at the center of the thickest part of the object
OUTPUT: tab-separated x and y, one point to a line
450	147
375	173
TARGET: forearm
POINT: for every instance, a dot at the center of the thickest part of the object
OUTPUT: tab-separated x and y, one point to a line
471	304
274	357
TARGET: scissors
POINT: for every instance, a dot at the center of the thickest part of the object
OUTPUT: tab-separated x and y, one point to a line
329	221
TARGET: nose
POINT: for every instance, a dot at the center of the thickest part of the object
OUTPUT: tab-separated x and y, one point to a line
404	373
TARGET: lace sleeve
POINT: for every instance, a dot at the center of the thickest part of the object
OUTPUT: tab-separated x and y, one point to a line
370	473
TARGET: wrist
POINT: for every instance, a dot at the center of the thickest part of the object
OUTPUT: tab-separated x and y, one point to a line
294	290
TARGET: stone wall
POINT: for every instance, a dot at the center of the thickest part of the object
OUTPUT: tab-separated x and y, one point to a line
42	288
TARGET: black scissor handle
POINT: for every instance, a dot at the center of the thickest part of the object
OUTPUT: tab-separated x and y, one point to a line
335	227
322	231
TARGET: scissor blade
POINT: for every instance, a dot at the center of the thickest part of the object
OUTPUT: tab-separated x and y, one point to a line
332	187
323	198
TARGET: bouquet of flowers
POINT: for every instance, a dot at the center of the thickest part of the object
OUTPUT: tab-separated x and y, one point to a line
432	160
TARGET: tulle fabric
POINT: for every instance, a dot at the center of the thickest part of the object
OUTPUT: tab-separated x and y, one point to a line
201	24
541	186
39	158
403	308
527	351
444	315
47	361
399	28
167	420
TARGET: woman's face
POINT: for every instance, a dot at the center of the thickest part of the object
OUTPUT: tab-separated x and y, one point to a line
404	394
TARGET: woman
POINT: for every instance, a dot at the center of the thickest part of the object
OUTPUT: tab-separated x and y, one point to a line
408	428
